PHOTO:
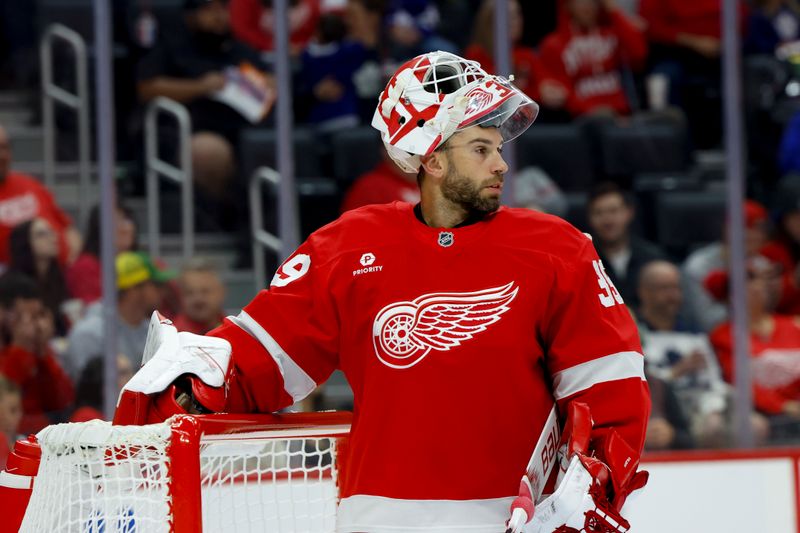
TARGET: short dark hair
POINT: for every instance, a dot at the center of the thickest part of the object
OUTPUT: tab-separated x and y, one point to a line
17	286
604	189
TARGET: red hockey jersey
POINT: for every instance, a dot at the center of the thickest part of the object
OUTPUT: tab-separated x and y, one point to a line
455	342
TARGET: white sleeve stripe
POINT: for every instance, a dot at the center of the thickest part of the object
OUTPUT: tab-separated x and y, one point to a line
296	382
622	365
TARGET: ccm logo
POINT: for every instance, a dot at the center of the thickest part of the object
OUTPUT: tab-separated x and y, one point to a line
549	450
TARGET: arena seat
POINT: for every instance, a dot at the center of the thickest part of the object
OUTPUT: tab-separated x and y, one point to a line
257	148
562	151
644	147
355	151
576	210
686	219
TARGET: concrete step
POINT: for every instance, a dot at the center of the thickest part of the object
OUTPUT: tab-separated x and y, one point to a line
14	99
16	116
27	143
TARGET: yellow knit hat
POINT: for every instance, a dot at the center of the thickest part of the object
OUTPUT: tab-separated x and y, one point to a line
131	270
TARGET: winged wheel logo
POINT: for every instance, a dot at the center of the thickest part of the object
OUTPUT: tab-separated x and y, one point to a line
403	333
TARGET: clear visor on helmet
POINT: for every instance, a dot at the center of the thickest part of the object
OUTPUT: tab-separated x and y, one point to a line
512	116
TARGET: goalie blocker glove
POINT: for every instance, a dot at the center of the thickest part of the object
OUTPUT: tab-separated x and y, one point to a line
591	487
181	373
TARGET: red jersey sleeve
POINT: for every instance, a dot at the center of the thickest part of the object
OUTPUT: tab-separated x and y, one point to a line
594	354
285	342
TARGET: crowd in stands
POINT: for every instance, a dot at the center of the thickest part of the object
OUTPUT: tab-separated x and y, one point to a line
51	312
594	63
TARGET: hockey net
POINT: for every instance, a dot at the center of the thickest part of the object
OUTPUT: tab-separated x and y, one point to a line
270	473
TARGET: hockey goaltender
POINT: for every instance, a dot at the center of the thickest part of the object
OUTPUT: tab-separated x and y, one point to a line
468	331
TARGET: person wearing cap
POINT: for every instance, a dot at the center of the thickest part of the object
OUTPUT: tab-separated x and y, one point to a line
700	304
164	291
136	300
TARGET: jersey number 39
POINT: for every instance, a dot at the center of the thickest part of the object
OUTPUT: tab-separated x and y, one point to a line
609	295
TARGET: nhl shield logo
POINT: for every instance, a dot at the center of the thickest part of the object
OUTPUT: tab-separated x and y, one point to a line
445	239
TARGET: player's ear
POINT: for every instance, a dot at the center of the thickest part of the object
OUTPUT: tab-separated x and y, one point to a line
434	165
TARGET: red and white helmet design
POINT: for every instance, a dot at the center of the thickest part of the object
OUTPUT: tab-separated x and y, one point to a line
437	94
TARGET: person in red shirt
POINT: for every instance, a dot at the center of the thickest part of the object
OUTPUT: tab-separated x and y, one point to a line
594	41
252	23
383	184
203	296
30	362
529	72
774	344
84	276
685	46
23	198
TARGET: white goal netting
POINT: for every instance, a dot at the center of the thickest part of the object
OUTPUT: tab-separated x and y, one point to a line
99	478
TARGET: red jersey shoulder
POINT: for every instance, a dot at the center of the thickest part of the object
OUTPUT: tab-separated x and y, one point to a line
358	227
541	232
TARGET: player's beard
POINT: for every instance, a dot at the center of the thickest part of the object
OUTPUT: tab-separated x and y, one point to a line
462	191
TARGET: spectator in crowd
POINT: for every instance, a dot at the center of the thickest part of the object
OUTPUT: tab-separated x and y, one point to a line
189	65
23	198
383	184
593	43
84	279
10	417
668	427
702	307
534	189
680	355
89	392
203	298
529	73
137	298
364	20
685	47
328	66
789	150
33	248
770	24
165	290
253	21
610	214
411	27
774	349
29	361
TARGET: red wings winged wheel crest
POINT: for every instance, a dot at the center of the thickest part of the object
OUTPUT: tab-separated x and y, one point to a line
403	333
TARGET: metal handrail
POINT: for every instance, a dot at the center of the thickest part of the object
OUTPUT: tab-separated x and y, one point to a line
79	102
181	174
262	239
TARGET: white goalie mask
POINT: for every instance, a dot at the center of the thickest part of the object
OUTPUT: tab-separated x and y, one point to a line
435	95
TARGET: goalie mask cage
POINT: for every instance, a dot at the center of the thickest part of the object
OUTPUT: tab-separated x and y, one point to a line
265	473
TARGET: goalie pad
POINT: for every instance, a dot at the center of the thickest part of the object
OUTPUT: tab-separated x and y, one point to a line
174	364
590	488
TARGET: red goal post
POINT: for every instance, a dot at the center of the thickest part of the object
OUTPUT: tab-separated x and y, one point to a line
190	474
